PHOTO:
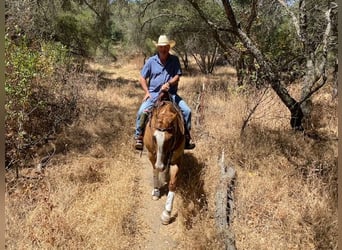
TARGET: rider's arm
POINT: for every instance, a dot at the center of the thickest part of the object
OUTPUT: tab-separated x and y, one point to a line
174	80
143	83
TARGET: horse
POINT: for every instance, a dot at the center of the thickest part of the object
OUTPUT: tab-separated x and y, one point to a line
164	139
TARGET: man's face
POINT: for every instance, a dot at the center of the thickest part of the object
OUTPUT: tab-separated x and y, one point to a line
163	50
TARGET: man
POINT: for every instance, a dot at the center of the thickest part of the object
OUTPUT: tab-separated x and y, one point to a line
161	72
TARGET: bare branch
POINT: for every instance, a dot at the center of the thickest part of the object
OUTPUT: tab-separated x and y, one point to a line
150	20
230	14
251	112
212	26
313	90
147	5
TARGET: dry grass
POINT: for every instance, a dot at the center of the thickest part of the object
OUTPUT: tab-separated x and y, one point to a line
88	196
83	200
286	193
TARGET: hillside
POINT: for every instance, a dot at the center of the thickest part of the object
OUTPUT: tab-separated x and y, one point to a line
95	191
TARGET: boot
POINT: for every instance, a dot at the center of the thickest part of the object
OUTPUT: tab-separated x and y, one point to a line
139	143
188	144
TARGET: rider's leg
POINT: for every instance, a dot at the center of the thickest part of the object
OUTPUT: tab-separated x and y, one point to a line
186	111
140	123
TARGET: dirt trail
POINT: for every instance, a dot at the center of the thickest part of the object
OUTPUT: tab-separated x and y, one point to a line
156	236
153	234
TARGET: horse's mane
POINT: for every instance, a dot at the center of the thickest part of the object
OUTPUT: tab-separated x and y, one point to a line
168	105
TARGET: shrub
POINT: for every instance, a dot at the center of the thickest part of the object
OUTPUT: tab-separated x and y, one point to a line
38	101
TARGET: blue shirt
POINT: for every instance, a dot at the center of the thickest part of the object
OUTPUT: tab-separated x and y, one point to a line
159	74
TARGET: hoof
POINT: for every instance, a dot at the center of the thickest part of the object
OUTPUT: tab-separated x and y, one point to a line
165	217
155	194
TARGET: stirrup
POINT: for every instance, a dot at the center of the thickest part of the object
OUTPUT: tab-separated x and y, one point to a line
139	144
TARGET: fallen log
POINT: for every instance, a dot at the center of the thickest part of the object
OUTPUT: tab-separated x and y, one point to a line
225	203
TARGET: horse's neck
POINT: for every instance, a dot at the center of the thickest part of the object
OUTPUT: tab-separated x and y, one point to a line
162	107
175	109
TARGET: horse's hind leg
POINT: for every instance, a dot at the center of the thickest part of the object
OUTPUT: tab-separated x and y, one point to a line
166	214
156	185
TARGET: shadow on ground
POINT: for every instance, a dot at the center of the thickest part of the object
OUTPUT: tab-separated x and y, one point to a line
190	187
100	124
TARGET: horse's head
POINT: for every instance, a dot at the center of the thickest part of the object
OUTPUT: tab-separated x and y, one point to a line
167	133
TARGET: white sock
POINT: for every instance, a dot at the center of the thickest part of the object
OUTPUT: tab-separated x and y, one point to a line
169	201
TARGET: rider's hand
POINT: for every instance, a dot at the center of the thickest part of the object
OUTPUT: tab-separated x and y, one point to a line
165	87
147	95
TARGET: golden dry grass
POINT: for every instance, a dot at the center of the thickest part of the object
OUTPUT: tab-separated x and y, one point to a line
89	196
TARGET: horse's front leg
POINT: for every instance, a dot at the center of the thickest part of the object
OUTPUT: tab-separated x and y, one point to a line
166	214
156	186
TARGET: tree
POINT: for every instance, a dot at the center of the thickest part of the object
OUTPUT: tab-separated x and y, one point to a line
315	44
180	22
83	25
270	68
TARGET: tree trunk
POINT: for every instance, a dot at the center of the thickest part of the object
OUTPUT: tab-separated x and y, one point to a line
269	70
273	78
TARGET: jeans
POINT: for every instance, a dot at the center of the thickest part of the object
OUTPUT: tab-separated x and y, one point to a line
147	106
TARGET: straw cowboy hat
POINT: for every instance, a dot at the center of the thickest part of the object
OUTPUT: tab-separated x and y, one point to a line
163	40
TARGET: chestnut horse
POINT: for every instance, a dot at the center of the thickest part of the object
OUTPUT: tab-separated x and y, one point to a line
164	139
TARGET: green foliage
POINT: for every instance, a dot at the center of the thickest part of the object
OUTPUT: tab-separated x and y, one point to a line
35	103
277	38
83	26
54	55
25	66
182	23
76	31
21	68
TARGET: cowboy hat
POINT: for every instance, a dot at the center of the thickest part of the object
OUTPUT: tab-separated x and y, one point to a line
163	40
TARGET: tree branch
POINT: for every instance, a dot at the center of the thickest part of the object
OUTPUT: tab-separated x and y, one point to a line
252	16
294	19
328	14
312	91
321	73
230	15
92	8
270	70
212	26
252	111
147	4
159	16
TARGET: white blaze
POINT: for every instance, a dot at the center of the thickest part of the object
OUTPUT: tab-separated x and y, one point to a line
160	139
